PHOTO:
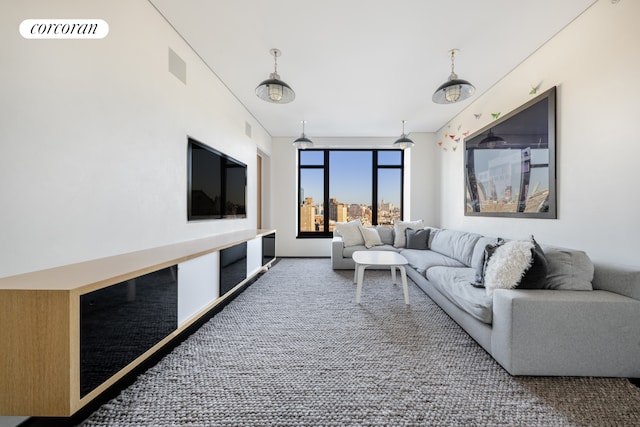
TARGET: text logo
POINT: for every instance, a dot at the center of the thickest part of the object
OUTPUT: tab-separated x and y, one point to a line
64	29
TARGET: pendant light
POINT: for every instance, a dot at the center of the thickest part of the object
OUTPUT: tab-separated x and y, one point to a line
273	89
303	142
454	89
403	142
491	140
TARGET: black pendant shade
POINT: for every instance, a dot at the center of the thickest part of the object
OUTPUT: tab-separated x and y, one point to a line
273	89
403	142
454	89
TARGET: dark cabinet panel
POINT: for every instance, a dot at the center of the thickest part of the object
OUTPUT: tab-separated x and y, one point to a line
120	322
268	248
233	267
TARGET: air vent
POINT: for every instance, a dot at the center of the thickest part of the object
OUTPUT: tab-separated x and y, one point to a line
247	129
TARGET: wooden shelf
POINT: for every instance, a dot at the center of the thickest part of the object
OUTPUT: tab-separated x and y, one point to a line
88	276
40	318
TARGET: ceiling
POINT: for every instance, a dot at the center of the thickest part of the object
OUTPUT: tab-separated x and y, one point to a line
360	67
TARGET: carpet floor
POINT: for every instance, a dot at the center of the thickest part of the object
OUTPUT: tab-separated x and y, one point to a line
295	350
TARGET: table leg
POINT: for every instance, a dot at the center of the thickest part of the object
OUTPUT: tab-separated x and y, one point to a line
355	274
393	274
360	276
405	287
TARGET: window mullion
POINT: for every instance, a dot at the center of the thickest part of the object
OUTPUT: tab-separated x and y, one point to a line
374	189
325	206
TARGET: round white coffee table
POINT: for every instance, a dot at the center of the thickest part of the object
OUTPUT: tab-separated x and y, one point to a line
364	259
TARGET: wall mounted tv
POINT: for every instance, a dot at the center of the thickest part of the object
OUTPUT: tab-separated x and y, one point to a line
217	184
510	166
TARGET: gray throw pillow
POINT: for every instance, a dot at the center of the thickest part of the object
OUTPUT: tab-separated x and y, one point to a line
386	234
569	269
417	239
488	252
399	227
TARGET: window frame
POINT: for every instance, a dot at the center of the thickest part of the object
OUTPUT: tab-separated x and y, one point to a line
326	167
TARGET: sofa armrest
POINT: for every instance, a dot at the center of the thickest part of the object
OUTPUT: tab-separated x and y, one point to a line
337	245
338	261
555	332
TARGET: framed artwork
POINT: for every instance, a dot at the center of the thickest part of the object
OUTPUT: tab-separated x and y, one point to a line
510	166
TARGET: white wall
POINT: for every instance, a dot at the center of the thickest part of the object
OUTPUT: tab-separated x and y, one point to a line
93	137
594	63
420	187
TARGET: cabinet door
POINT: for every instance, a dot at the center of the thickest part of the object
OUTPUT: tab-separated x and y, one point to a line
268	248
198	285
120	322
233	266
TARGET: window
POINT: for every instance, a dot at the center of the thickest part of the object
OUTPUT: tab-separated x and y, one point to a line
343	185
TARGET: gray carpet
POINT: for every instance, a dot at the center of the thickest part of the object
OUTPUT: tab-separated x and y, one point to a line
294	350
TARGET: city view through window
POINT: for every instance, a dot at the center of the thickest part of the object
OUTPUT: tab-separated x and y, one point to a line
355	179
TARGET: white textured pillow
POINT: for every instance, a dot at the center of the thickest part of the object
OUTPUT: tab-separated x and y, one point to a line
399	228
507	265
350	232
371	237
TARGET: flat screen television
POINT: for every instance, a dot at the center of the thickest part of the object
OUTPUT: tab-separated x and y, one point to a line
510	164
217	184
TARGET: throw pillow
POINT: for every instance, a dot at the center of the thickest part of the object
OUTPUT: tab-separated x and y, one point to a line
569	269
536	276
371	237
386	234
507	265
417	239
488	252
350	232
399	227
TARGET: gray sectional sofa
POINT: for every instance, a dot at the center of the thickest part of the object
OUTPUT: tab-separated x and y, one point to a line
585	322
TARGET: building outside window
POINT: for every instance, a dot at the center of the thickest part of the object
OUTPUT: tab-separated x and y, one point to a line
344	185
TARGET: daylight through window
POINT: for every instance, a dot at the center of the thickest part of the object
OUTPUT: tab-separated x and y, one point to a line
343	185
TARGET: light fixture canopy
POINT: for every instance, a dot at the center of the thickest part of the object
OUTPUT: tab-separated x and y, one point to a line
454	89
403	142
303	142
273	89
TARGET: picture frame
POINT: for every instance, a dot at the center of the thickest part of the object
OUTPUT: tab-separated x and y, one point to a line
510	164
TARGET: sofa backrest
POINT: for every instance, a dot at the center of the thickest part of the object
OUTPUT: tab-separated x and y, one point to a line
620	279
477	259
458	245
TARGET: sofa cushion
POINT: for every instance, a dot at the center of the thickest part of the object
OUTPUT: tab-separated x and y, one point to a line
568	269
507	265
371	237
478	257
348	252
453	283
350	232
386	234
432	233
421	260
455	244
399	227
417	239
